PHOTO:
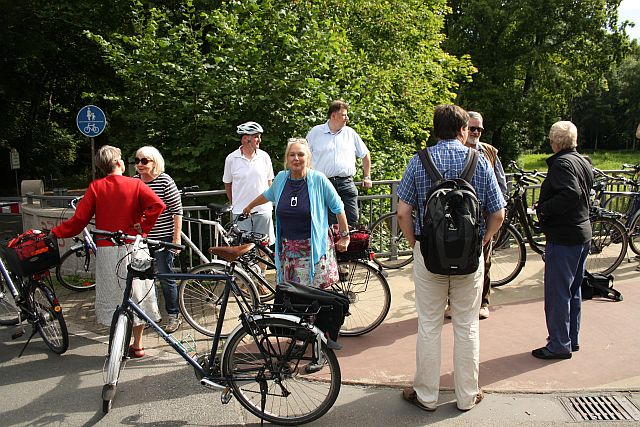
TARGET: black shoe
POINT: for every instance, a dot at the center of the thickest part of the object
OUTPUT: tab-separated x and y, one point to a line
575	347
544	353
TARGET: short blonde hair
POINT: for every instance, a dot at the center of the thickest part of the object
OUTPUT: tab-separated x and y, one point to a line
305	146
563	135
107	158
152	153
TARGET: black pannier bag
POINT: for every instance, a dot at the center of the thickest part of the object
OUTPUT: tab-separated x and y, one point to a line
598	285
332	307
32	252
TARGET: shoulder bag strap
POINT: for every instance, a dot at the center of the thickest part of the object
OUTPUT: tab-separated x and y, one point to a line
429	166
470	165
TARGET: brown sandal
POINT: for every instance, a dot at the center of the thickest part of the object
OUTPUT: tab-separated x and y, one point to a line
136	352
410	395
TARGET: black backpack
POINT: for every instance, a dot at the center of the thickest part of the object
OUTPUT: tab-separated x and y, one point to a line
450	242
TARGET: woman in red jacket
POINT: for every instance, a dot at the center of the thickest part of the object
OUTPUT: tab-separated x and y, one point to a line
118	203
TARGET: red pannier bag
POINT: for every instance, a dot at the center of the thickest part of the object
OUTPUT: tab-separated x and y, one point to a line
359	243
32	252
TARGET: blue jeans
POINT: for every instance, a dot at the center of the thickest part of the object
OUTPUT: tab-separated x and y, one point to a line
164	260
563	273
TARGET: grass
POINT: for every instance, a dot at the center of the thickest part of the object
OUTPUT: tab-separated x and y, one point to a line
605	160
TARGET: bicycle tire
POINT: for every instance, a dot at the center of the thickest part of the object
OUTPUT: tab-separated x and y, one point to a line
634	234
508	256
293	396
8	308
50	321
381	244
620	203
116	358
369	296
74	260
609	245
199	300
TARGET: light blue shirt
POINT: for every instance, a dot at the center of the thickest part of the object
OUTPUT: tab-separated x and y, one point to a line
322	198
334	154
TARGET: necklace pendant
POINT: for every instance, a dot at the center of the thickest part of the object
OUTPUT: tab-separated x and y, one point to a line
294	201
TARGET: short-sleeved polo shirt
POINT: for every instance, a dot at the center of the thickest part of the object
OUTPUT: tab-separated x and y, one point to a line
248	178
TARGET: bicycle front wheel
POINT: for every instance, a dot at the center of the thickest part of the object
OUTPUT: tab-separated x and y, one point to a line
201	299
390	250
276	376
77	270
369	297
116	358
50	322
8	309
609	244
508	256
634	234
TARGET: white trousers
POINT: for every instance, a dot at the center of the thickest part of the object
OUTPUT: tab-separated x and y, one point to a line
465	294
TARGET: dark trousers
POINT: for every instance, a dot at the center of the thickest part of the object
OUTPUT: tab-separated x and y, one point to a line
563	274
348	192
164	260
486	287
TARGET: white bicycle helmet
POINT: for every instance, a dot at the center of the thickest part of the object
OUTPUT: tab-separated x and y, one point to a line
249	128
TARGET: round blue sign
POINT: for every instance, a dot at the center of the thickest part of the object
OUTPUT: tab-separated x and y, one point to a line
91	121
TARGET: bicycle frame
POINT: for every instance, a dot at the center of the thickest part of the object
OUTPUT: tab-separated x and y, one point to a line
517	209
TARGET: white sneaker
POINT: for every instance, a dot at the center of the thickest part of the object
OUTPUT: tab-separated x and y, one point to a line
484	312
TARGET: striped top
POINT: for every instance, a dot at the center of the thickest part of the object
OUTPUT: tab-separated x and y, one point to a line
167	191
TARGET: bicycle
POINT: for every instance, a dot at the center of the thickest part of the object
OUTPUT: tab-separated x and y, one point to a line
363	282
280	367
391	249
509	253
24	295
77	268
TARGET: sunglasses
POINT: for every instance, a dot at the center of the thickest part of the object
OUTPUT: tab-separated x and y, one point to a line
475	129
143	160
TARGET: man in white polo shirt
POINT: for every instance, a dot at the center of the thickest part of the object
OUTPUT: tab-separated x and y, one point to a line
247	173
334	147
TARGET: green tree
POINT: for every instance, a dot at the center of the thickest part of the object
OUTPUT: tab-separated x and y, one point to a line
533	57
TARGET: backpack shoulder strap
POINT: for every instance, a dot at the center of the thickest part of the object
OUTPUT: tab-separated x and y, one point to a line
470	165
429	166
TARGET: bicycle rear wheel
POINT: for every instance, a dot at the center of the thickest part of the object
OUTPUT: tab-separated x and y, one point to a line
609	244
634	234
8	309
200	299
620	203
291	388
116	358
390	250
369	297
50	322
508	256
77	270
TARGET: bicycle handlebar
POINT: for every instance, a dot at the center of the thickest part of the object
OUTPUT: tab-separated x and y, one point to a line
119	238
185	190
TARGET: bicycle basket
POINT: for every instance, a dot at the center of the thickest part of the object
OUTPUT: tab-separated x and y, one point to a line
32	252
359	243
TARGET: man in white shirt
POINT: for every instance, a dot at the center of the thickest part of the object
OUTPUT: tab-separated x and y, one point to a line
334	147
248	172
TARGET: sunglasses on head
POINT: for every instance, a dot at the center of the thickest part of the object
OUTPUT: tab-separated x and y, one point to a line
143	160
475	129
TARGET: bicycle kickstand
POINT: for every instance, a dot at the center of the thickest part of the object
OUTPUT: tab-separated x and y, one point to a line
35	330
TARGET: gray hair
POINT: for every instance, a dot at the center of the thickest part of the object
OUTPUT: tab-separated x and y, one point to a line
563	135
152	153
475	115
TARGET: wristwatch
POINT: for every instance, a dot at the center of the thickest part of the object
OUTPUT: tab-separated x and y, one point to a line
367	177
344	233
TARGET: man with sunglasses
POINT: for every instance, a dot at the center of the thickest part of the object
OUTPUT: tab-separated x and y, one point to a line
248	172
491	154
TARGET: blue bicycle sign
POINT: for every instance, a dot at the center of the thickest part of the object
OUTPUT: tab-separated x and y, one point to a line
91	121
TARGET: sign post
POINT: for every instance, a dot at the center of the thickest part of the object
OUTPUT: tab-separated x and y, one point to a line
91	122
14	159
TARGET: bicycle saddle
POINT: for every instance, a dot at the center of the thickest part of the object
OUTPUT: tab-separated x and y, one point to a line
231	253
219	209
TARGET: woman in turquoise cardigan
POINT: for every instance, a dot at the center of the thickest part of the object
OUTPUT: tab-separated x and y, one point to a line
303	198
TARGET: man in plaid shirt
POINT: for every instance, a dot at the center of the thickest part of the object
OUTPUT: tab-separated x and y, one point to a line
450	124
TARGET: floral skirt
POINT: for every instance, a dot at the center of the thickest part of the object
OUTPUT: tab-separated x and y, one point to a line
295	261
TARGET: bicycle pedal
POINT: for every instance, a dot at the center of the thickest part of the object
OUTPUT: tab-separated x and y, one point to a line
226	395
17	334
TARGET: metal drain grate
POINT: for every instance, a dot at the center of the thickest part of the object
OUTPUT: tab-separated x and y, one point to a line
601	408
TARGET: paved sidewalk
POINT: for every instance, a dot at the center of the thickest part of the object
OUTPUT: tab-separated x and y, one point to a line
607	360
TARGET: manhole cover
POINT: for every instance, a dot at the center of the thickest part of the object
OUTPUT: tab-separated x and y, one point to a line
601	408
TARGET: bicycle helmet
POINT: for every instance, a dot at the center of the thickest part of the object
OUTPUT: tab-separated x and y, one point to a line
249	128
